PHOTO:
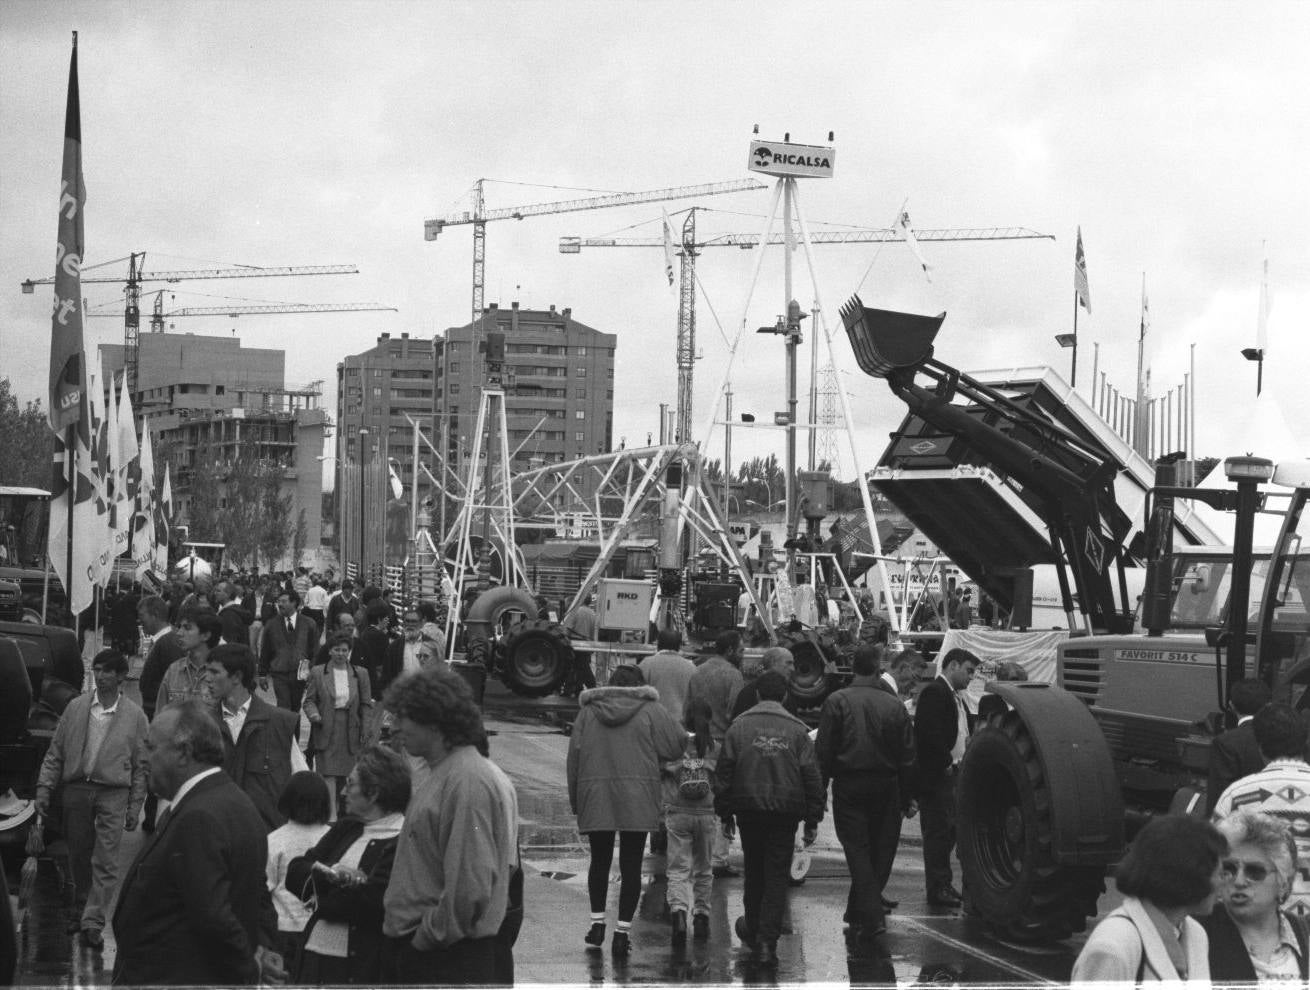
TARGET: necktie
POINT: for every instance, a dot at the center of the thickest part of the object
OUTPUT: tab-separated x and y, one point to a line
291	630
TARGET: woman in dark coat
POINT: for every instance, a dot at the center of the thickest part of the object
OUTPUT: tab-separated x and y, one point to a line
346	875
1253	938
335	698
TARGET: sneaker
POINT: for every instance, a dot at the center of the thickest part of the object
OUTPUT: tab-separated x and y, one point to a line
621	945
700	927
595	937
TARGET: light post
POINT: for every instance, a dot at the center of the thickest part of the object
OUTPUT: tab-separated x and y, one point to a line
768	489
1071	340
1247	473
363	490
1256	354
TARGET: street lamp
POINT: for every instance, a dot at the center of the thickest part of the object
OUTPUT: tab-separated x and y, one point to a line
1256	354
363	488
768	489
1070	340
1247	473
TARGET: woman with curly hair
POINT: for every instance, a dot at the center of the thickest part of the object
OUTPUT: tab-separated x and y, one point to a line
1252	937
450	888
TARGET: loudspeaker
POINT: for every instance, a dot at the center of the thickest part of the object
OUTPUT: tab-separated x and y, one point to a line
1021	614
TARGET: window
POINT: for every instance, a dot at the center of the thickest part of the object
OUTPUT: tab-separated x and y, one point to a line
377	372
610	373
580	414
609	393
350	447
352	372
582	351
454	367
377	392
582	393
454	388
581	372
579	437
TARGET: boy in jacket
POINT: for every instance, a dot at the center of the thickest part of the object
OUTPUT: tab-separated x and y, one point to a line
769	781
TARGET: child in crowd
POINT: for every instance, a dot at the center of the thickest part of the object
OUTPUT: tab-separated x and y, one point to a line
305	803
690	821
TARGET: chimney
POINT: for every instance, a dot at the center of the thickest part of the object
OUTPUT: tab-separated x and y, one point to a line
385	336
567	313
514	318
552	308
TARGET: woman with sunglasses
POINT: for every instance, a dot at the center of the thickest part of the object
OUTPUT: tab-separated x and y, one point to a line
1170	872
1252	939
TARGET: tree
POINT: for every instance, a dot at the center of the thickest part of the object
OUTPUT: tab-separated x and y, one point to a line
26	443
240	503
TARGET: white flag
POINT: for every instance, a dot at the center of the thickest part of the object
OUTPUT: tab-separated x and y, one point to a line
907	231
397	489
669	252
126	469
1262	317
143	522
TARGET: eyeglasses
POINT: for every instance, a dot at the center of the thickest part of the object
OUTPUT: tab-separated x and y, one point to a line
1255	872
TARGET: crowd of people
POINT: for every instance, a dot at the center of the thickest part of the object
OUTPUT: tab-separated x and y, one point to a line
394	859
386	850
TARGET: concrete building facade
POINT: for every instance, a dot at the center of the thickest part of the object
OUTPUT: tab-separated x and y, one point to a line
210	397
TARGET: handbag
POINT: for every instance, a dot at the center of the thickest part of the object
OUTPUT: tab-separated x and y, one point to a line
509	928
302	669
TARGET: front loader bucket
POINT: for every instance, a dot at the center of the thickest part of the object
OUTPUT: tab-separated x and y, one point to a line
885	341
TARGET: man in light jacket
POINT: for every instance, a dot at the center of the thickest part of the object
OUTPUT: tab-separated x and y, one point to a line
769	781
98	756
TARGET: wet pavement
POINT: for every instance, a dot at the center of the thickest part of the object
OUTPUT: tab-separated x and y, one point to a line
923	946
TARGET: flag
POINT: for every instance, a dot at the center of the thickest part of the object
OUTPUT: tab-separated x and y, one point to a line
907	231
669	252
126	469
73	541
143	521
1080	275
397	489
163	523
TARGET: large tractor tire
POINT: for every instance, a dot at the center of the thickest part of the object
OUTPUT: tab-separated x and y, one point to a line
536	657
496	610
1012	878
810	680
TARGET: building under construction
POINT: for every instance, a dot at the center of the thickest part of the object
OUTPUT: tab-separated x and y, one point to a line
209	397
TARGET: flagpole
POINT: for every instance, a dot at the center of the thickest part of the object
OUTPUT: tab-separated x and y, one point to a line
70	474
1073	370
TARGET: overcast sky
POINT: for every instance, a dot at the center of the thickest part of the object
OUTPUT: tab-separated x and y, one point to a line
307	133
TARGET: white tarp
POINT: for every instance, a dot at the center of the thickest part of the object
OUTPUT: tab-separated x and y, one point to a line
1034	651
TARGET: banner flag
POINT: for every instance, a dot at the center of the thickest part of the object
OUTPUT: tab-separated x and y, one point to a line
669	252
126	469
1080	275
1262	316
143	522
907	231
75	532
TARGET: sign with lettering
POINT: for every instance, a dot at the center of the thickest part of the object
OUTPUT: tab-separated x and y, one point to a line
784	159
1163	656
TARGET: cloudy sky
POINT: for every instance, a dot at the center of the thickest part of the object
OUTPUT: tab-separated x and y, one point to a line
223	133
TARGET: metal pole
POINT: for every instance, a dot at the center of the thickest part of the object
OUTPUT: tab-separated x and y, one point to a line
1247	499
1096	356
814	390
727	449
363	491
1192	414
793	333
1073	367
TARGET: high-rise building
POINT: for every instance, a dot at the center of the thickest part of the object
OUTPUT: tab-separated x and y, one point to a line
378	391
559	378
208	399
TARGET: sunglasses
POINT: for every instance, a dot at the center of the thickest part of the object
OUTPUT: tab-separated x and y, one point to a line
1255	872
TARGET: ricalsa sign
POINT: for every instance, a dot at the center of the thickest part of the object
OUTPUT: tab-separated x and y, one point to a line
778	158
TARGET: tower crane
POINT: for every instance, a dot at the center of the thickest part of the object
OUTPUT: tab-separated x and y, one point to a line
691	247
136	275
158	317
479	216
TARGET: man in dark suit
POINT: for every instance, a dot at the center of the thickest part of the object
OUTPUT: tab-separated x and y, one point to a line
941	729
234	619
164	648
195	906
288	638
402	653
1235	754
373	641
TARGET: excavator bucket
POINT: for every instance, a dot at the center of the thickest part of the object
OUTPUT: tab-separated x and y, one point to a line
885	341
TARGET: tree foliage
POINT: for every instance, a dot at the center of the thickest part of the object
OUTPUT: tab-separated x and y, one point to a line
240	503
26	443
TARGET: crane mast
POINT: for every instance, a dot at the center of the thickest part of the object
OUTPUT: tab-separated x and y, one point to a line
686	327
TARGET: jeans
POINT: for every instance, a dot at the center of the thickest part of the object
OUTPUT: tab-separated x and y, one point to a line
767	843
691	844
94	819
867	813
937	820
632	845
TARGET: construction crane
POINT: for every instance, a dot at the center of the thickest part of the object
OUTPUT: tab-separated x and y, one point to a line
690	248
159	316
136	275
479	216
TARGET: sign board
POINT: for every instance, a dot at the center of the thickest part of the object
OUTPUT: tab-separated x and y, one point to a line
622	604
1164	656
796	160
